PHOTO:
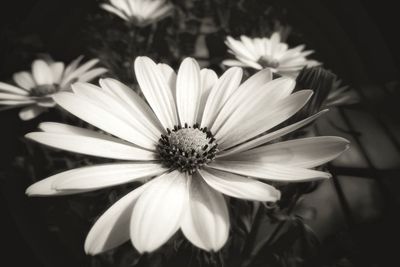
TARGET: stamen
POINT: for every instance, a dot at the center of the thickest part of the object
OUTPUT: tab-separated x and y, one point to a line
268	62
187	149
43	90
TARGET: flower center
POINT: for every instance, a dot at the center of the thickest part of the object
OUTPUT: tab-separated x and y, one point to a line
187	149
268	62
43	90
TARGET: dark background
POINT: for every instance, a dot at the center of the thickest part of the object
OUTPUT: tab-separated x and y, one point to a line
359	40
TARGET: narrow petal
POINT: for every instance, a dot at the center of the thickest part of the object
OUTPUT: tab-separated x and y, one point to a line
101	176
72	66
16	102
57	68
5	87
90	75
206	220
7	96
304	153
261	122
233	63
188	91
226	85
156	91
112	228
41	72
157	214
239	187
257	80
24	79
169	76
270	136
269	171
115	11
97	116
136	104
44	188
31	112
258	100
113	105
78	72
93	146
208	80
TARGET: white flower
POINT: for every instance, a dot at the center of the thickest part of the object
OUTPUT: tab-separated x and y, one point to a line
259	53
140	12
35	89
197	141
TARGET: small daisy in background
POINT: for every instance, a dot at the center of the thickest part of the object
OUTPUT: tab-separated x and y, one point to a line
199	140
140	12
260	53
34	90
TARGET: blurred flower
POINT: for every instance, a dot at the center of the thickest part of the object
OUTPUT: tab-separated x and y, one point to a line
341	95
259	53
35	89
328	90
139	12
198	139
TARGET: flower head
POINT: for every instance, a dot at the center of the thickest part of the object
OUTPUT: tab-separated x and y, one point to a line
259	53
198	139
139	12
35	89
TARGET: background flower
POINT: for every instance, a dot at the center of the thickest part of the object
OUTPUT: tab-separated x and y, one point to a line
139	12
200	138
259	53
34	89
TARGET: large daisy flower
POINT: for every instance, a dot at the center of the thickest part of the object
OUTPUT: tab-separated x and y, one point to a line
35	89
197	142
140	12
259	53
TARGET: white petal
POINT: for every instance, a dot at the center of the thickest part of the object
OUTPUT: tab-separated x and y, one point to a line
112	228
57	69
304	153
208	80
156	91
90	75
170	77
157	214
72	66
233	63
269	171
24	79
113	105
31	112
97	116
113	10
93	145
5	87
206	220
7	96
270	136
78	72
240	49
261	122
255	81
239	187
226	85
137	105
188	91
258	100
101	176
44	188
41	72
16	103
